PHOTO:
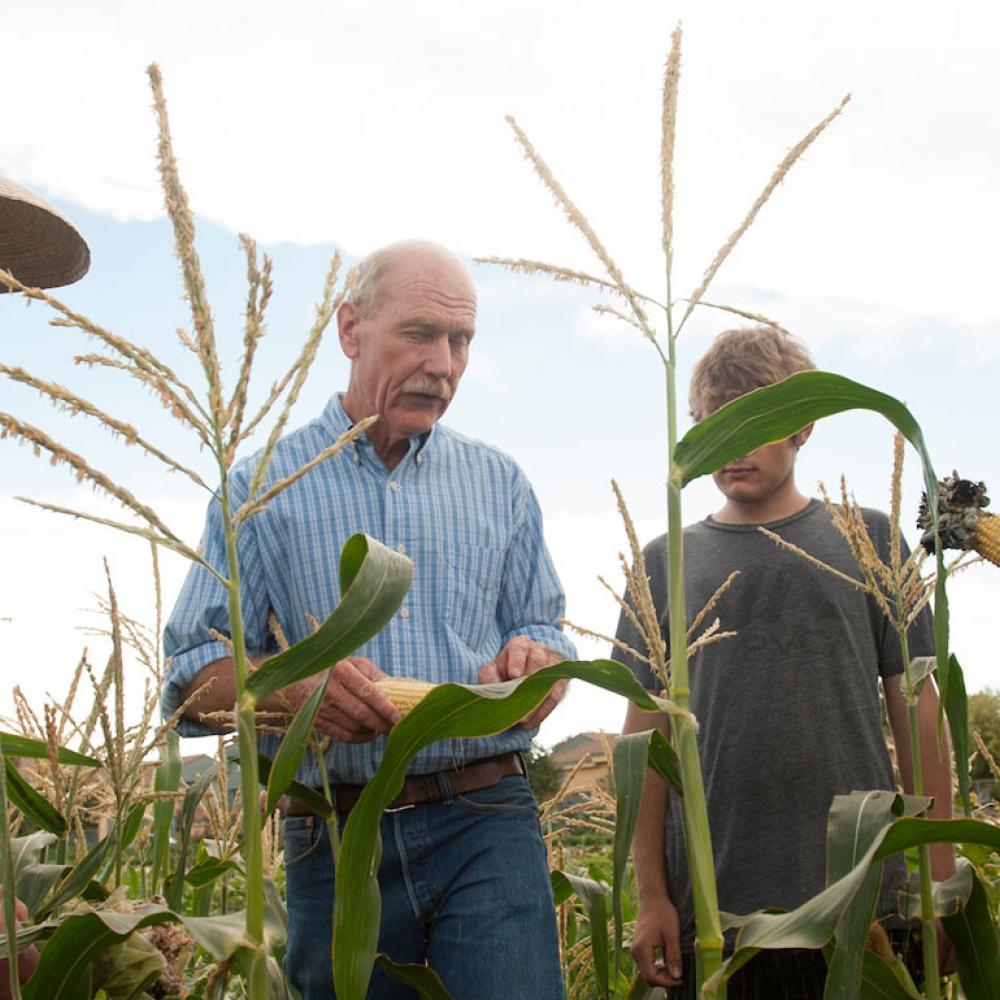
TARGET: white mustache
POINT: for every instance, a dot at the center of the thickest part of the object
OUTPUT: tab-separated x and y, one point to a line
428	387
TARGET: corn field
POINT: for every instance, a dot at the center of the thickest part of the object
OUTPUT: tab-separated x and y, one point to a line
140	881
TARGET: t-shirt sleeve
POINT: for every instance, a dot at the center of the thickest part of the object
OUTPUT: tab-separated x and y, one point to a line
627	633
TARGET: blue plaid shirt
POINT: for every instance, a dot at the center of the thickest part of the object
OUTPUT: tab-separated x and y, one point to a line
462	511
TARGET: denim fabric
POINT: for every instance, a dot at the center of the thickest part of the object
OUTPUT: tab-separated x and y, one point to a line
465	887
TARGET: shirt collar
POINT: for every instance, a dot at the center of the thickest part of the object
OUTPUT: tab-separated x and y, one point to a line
338	422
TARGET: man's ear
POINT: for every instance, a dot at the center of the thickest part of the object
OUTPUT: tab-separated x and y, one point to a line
800	438
348	318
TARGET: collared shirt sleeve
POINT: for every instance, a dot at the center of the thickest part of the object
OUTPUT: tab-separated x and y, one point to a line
203	605
531	597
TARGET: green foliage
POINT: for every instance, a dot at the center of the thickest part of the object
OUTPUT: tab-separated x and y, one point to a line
544	775
984	718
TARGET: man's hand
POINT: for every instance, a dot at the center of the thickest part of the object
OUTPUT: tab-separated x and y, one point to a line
656	943
353	709
519	658
26	959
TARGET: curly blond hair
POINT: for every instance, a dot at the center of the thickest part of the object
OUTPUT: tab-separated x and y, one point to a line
742	360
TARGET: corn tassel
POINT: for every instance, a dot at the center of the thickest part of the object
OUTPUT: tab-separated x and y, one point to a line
962	521
404	692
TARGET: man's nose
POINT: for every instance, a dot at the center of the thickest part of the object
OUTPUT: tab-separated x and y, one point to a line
437	360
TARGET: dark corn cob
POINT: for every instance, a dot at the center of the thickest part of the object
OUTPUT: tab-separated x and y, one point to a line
962	521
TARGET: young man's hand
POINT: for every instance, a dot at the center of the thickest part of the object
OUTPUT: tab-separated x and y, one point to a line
519	658
656	942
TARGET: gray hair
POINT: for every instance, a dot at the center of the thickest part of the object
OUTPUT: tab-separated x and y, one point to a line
367	291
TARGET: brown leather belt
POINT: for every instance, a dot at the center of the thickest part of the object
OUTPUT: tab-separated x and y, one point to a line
423	788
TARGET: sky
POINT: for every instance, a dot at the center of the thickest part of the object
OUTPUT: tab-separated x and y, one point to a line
354	125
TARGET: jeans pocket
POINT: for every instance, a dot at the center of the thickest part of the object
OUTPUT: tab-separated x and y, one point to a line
511	794
303	834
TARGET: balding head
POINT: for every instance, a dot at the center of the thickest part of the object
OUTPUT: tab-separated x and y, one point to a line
369	284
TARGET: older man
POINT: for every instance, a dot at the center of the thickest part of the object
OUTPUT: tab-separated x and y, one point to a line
463	877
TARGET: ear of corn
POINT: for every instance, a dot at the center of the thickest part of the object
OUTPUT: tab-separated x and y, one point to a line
987	538
404	692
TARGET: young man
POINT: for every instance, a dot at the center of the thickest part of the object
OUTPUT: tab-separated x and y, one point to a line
788	710
463	877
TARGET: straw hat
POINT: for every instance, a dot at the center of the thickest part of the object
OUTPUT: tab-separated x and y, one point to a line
38	245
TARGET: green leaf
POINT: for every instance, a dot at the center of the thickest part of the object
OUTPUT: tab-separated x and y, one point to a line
63	971
307	796
24	746
421	978
28	850
209	870
293	747
813	923
948	897
632	755
193	794
374	580
79	877
594	897
36	807
956	707
167	779
881	981
450	710
977	949
778	411
854	822
664	761
132	825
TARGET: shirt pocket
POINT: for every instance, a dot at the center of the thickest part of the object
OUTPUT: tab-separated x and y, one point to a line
472	591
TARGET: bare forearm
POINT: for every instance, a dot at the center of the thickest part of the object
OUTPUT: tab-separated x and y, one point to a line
211	695
935	762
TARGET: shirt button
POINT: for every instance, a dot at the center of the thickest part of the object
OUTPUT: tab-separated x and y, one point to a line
400	548
393	484
405	613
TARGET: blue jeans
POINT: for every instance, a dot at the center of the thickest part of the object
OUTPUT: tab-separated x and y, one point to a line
465	887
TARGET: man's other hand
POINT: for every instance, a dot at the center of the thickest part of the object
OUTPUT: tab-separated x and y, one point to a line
353	710
519	658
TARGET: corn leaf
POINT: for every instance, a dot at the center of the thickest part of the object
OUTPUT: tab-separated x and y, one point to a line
373	582
421	978
977	948
813	923
633	755
594	897
167	779
881	981
956	707
301	793
24	746
853	823
36	807
79	877
293	747
450	710
209	870
193	794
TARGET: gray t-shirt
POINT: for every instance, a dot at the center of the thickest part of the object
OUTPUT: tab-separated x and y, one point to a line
788	710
